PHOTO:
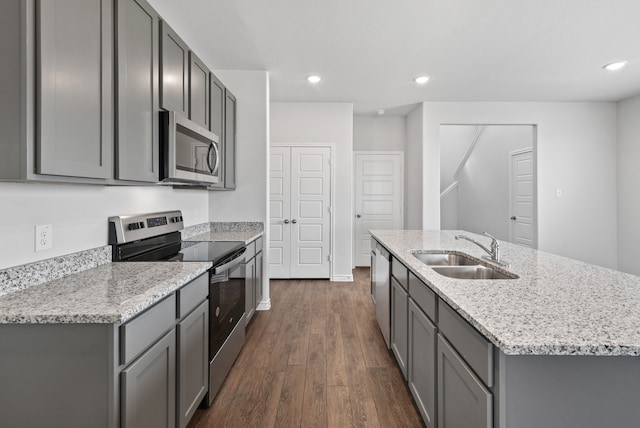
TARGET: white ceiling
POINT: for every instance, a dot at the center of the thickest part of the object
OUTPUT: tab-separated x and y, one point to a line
368	51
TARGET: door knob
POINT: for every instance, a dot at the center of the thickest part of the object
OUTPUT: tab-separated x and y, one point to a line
294	221
358	216
286	221
513	217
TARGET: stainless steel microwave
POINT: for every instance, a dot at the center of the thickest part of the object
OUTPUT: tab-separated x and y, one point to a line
190	153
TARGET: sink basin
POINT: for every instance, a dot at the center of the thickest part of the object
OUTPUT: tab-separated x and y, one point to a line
472	272
444	259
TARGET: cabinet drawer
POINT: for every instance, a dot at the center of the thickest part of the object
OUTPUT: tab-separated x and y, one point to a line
399	271
251	250
139	333
192	294
259	245
471	345
423	296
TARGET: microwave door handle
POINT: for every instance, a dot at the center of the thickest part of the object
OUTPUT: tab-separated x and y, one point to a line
209	158
214	170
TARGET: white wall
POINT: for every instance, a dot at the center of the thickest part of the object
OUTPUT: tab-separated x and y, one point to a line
379	133
313	123
78	214
413	162
576	147
249	201
629	185
483	182
455	141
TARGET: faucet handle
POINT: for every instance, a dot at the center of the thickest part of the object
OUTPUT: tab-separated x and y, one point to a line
489	235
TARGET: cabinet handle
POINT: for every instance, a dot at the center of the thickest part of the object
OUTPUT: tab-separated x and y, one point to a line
294	221
358	216
513	217
286	221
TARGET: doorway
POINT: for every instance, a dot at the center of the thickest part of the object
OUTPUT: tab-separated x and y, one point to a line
379	197
300	202
478	192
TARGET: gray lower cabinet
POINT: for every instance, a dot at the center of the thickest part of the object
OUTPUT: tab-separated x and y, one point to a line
463	401
399	308
193	362
199	95
137	149
74	88
258	281
174	71
421	376
151	371
148	387
250	279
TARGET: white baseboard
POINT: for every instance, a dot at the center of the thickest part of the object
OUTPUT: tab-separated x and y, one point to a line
265	305
342	278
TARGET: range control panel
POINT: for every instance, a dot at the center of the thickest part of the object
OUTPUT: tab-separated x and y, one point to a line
129	228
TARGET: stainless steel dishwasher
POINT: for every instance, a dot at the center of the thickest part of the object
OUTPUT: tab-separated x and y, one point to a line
382	291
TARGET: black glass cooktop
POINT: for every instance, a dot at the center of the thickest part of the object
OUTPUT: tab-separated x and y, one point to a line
187	251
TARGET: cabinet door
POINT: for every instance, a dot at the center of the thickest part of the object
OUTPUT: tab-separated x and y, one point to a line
217	121
399	308
137	109
174	71
258	281
422	363
250	278
463	401
75	88
193	362
230	140
198	91
148	387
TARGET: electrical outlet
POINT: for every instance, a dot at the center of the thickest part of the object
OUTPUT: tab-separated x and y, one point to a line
44	237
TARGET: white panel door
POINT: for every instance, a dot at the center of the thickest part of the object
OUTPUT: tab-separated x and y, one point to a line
523	210
310	212
300	210
379	195
279	209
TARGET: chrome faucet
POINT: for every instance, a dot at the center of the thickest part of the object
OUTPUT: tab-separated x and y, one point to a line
494	251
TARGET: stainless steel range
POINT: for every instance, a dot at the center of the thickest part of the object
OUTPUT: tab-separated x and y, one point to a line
156	237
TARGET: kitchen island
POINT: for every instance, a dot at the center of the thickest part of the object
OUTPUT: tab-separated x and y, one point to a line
556	347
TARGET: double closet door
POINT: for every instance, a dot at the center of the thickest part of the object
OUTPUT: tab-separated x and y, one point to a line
300	211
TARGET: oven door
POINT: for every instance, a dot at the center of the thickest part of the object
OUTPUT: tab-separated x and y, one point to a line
226	303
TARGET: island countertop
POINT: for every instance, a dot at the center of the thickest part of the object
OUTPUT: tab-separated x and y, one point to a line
110	293
557	306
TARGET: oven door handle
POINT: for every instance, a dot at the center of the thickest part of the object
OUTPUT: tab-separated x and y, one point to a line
229	265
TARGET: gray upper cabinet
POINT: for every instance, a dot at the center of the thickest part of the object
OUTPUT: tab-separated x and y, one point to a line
174	71
199	92
217	121
74	86
137	147
230	141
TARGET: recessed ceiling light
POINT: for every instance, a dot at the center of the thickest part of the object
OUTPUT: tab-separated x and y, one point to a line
615	65
421	80
380	112
314	78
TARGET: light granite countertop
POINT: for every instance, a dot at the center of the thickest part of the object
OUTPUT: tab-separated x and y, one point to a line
241	231
558	306
110	293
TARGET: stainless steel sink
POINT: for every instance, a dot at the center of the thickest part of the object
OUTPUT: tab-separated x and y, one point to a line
444	259
473	272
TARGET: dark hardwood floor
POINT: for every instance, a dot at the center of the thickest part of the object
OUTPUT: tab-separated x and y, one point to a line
316	359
